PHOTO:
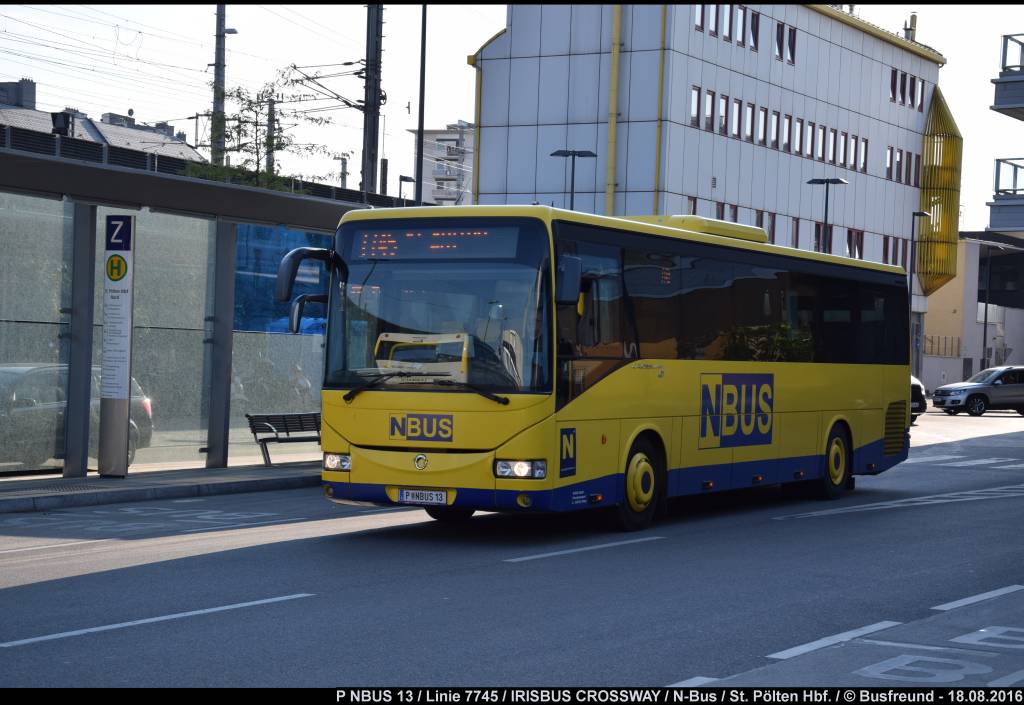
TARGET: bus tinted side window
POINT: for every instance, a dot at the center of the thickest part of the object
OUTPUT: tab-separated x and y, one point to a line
707	307
653	283
759	334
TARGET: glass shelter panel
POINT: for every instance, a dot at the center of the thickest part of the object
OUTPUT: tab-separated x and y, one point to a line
273	371
173	300
35	285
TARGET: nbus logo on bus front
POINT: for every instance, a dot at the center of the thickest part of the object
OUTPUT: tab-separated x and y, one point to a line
735	410
421	427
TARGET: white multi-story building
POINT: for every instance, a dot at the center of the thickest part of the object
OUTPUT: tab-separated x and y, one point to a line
448	164
727	111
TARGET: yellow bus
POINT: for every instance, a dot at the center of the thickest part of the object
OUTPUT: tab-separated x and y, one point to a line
526	358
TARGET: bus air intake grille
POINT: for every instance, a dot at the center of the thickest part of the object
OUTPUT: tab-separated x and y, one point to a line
895	426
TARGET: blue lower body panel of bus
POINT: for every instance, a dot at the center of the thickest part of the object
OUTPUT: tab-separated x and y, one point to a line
608	490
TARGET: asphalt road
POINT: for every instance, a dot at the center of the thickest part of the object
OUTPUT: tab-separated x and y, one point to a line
286	589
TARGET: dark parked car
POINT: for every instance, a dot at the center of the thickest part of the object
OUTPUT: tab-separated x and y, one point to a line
32	409
918	403
994	388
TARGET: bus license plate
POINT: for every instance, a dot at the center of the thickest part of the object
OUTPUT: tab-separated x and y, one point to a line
423	496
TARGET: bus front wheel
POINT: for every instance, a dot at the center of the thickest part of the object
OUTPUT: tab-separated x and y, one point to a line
838	464
450	515
643	487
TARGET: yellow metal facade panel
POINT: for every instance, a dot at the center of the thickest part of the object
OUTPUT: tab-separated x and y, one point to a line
940	196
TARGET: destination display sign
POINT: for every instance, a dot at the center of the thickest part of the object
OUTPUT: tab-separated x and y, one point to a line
463	242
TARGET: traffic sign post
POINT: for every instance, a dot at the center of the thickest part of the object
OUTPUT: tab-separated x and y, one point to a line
115	383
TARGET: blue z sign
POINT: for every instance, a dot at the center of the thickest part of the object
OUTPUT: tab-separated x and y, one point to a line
736	410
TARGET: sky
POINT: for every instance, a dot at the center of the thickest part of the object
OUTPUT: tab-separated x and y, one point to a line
153	59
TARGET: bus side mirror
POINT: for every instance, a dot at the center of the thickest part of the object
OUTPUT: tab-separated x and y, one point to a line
289	267
295	314
568	279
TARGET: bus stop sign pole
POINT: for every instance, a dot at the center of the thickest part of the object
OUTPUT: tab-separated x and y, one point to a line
115	383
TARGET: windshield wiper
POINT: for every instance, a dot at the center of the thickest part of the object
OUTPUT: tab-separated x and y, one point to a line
479	390
383	377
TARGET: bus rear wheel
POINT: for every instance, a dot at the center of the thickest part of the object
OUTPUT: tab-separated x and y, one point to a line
450	515
643	489
838	464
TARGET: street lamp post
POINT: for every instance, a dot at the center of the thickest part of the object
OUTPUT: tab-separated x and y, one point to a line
572	153
404	180
913	258
826	233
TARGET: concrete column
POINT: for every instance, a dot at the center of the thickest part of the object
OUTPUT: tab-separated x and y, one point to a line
83	279
222	340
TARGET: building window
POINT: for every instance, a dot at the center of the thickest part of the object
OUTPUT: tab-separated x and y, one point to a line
822	238
864	154
734	214
885	249
893	78
741	16
913	91
787	128
842	150
709	110
695	106
819	148
832	146
898	166
712	16
727	22
903	87
775	129
759	219
720	210
748	122
734	119
798	135
771	228
855	243
691	205
917	170
723	114
791	46
888	162
920	96
753	30
796	232
809	138
762	120
908	174
904	248
852	153
698	20
780	35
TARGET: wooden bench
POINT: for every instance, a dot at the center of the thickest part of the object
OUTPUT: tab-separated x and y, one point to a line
283	428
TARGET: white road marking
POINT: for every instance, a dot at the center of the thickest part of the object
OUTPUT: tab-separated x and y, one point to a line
930	459
696	680
235	526
834	639
581	550
1003	492
151	620
923	647
977	461
978	598
52	545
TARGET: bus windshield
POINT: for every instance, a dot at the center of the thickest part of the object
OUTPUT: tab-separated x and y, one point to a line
462	300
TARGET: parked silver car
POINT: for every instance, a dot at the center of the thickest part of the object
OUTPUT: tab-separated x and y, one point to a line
918	403
994	388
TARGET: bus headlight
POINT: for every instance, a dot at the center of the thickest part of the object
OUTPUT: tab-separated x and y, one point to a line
336	461
521	469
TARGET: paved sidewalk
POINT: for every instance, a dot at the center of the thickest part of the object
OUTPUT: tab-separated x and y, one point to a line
35	495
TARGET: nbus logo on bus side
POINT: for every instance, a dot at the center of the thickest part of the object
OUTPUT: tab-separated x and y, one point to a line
736	410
